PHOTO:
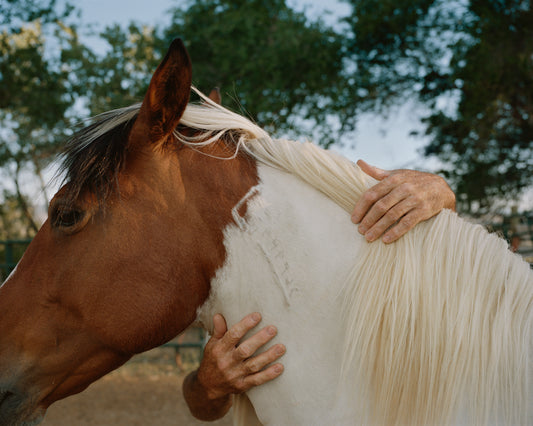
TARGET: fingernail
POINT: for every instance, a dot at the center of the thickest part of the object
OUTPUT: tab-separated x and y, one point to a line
362	229
370	237
280	350
355	218
278	368
271	330
256	317
387	239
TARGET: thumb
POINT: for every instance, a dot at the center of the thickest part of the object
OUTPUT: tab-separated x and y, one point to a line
373	171
219	325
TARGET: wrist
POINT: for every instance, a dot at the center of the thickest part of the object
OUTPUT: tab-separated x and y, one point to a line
204	383
204	404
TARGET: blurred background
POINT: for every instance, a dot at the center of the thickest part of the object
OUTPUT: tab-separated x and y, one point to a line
438	85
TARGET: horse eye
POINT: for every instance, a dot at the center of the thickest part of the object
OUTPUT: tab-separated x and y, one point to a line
66	218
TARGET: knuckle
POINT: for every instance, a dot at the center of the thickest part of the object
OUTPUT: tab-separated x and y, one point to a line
222	366
381	206
252	366
255	380
215	348
409	188
240	386
369	196
367	222
418	197
392	215
244	351
408	222
273	372
395	178
215	352
234	333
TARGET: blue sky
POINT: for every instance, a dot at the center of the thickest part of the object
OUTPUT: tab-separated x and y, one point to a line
382	142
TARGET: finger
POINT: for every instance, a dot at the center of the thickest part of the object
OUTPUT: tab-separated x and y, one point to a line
385	195
379	209
219	325
390	218
372	195
259	362
237	332
407	223
373	171
367	200
247	348
262	377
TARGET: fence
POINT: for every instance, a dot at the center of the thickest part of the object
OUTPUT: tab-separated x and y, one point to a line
10	253
518	230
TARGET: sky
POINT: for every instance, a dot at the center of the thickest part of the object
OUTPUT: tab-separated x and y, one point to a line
385	143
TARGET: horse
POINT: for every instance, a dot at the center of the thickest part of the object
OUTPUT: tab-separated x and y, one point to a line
172	211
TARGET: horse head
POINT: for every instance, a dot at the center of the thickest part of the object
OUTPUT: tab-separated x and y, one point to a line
126	255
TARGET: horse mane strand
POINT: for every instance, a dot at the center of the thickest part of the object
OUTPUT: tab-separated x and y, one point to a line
95	155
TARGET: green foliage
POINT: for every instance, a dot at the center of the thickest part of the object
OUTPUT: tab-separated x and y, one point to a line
16	11
121	76
267	59
270	62
34	95
14	222
479	56
489	139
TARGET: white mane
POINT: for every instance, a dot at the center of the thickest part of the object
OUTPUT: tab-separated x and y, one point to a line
443	314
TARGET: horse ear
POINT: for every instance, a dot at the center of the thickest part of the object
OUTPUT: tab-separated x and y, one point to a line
167	97
215	96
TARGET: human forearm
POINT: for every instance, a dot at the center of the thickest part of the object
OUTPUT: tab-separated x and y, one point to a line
201	405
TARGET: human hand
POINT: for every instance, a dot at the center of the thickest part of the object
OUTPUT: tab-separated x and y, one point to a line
230	366
399	201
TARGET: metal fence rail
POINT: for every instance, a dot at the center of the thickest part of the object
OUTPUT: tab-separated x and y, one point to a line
10	253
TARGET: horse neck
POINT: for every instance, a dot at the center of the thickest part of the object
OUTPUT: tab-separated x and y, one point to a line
288	259
215	185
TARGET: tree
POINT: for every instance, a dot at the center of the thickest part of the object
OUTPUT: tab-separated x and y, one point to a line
269	61
40	86
476	55
121	76
34	94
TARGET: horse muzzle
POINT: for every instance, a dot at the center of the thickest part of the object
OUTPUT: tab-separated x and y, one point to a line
16	410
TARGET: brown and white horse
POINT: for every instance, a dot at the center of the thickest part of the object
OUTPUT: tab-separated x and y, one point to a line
172	212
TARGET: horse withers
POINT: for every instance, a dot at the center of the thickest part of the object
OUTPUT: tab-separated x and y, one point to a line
172	212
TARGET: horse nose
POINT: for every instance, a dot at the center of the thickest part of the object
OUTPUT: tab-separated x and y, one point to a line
8	405
14	410
5	399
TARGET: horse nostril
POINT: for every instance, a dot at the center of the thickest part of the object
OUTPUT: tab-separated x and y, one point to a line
4	396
